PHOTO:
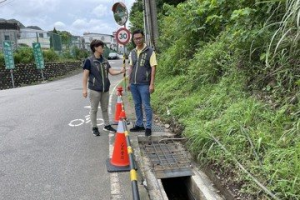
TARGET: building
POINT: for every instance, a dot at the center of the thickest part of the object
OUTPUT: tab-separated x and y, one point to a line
29	36
9	30
20	35
109	40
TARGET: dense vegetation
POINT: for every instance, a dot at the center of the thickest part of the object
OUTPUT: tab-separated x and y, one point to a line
25	55
229	78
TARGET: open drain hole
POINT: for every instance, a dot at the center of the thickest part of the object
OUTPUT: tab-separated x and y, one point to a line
177	189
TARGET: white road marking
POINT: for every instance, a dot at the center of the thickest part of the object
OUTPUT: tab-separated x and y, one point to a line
78	122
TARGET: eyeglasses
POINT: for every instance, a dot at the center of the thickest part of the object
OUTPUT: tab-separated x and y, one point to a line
139	38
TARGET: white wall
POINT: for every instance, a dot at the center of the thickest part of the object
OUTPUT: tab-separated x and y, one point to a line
107	39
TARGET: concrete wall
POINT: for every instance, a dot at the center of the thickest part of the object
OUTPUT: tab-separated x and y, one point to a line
26	74
45	42
11	35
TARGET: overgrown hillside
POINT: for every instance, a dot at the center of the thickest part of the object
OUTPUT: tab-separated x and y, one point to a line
228	80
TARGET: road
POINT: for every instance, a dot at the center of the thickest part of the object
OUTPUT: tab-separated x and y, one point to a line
47	149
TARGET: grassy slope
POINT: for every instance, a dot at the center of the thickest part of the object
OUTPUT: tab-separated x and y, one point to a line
209	95
250	130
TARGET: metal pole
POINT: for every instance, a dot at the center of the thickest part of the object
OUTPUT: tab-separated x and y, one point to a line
12	78
42	75
37	36
124	66
16	40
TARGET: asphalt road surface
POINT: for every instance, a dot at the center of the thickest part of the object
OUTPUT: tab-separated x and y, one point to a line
47	149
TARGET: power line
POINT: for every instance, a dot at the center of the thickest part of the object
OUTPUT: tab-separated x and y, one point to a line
7	2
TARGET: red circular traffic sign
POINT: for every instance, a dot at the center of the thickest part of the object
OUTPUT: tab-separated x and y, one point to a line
123	36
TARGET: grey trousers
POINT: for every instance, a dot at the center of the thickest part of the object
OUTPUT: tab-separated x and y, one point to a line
95	99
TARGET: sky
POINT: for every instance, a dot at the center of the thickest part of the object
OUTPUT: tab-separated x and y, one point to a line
74	16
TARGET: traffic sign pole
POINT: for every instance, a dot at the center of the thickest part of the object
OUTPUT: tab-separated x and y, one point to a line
42	75
12	78
122	35
124	66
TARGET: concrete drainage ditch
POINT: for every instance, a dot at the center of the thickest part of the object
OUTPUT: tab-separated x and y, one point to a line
169	173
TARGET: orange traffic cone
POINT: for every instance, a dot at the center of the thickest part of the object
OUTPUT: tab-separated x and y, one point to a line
120	158
118	108
122	115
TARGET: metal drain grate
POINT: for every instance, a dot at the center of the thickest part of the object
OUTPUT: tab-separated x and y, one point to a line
168	158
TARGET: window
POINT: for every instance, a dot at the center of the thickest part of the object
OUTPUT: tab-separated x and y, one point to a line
6	37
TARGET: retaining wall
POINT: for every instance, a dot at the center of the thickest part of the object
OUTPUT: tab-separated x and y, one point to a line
26	74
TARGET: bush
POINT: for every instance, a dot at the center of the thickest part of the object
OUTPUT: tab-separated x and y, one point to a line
80	54
24	55
50	56
66	55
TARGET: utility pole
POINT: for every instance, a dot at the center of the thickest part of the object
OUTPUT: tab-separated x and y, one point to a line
154	25
150	22
147	21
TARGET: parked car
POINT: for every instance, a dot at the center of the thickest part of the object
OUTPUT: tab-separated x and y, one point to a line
113	56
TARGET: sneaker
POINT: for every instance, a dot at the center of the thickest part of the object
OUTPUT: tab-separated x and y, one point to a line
109	128
137	129
148	132
96	131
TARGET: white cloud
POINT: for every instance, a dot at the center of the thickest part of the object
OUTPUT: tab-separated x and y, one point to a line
31	7
100	11
60	26
93	26
76	17
79	23
39	5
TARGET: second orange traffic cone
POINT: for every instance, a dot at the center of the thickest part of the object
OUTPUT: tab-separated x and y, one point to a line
120	158
118	108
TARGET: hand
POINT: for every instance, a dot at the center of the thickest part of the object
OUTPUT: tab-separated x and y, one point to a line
84	93
123	70
151	88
